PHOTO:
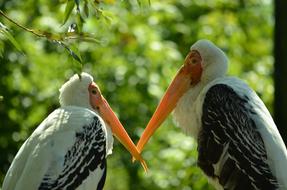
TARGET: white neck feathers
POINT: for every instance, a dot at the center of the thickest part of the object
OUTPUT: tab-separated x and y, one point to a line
75	91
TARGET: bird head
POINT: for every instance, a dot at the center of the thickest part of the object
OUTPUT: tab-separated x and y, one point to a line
204	63
75	91
84	92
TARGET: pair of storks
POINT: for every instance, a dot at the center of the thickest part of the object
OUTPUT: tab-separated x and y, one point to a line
239	146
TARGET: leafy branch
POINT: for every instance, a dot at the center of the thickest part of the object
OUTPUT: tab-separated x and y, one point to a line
5	32
59	38
55	37
20	26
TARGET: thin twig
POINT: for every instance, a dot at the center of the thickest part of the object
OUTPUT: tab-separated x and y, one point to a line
20	26
54	38
49	36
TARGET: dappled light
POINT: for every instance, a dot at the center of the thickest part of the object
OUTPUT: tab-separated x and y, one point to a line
133	51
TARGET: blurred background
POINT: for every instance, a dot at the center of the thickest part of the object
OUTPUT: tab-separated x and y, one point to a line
136	50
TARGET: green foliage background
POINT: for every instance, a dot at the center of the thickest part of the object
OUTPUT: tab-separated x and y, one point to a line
139	49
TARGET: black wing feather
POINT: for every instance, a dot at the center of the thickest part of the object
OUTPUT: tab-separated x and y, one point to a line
228	129
88	153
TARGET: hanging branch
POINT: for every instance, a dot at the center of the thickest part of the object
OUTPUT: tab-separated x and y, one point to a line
54	37
58	38
20	26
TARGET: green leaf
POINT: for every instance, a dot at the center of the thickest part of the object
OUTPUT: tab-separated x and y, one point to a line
108	16
75	56
80	22
86	8
78	5
68	10
10	37
1	48
1	98
144	3
82	36
74	52
78	64
139	2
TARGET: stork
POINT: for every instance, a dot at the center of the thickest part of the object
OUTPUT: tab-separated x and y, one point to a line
239	146
68	149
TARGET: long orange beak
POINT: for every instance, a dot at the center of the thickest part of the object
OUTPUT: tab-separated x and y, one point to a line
118	130
180	84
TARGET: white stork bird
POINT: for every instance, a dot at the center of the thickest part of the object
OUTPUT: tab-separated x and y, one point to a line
68	149
239	146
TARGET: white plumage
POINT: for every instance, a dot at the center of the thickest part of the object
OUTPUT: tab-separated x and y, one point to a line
44	151
188	113
238	143
68	149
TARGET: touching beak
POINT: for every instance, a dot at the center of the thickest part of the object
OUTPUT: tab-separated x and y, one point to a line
180	84
118	130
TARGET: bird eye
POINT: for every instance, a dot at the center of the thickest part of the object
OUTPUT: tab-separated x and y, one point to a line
94	91
193	61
